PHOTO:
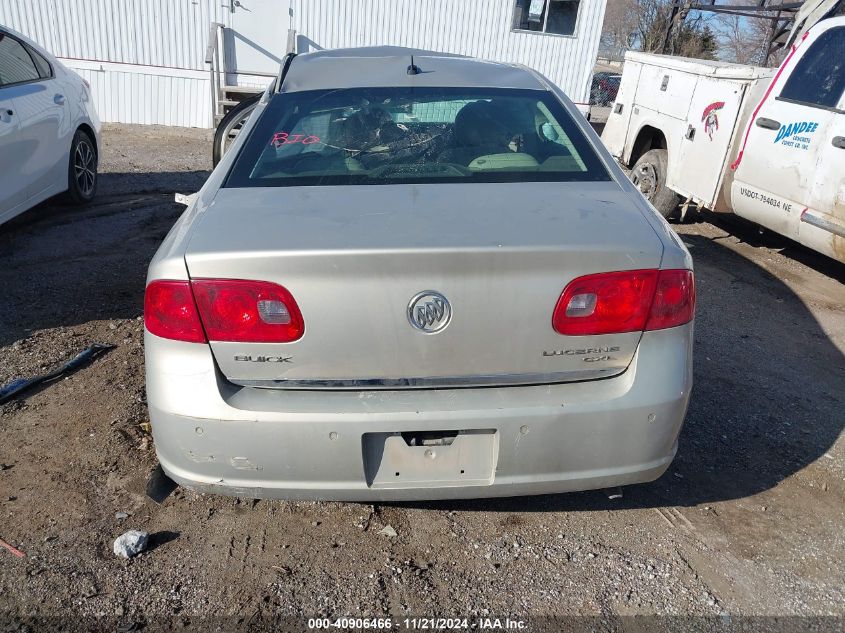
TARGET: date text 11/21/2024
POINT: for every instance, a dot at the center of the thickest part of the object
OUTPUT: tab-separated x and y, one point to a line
418	624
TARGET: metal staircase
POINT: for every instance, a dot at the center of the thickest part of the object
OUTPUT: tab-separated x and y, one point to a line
225	94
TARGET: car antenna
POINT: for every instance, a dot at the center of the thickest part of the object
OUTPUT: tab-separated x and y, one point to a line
413	69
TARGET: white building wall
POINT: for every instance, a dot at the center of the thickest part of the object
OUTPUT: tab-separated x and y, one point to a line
479	28
145	59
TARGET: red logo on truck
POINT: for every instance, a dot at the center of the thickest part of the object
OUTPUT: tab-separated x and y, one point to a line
710	119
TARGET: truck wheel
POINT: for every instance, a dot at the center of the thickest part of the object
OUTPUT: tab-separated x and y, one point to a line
230	125
649	176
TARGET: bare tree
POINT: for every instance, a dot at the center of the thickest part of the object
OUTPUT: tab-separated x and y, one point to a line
618	33
735	41
641	25
652	20
746	40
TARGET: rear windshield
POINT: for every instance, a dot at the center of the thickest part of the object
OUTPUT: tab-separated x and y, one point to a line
414	135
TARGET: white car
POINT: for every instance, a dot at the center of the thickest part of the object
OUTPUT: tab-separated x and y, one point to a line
49	129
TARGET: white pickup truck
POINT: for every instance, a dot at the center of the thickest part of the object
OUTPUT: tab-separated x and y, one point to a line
765	144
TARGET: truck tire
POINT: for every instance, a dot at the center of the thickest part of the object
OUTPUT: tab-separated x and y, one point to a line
229	127
649	176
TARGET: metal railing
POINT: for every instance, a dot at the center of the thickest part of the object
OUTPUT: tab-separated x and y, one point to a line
223	95
217	69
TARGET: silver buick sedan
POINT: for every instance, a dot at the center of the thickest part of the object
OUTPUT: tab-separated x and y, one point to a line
417	276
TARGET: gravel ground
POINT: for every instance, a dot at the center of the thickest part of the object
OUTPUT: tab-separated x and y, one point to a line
747	522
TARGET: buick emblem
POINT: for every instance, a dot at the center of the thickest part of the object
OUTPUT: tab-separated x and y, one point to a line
429	312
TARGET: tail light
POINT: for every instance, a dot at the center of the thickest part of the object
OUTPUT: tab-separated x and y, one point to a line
247	311
627	301
674	300
222	310
170	311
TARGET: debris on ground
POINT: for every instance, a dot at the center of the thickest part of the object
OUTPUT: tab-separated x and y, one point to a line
388	531
13	550
22	384
159	485
185	198
131	543
121	515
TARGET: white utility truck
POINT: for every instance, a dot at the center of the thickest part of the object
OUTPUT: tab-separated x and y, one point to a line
765	144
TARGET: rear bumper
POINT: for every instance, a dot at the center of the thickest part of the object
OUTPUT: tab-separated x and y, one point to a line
215	437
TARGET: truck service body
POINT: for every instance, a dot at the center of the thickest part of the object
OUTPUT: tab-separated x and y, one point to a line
765	144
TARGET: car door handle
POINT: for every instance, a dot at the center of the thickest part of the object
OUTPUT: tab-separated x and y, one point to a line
10	112
768	124
59	99
839	141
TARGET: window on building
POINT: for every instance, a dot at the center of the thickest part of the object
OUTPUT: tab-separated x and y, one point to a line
819	77
555	17
16	65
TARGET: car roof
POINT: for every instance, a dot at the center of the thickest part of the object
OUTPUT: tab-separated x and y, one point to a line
387	66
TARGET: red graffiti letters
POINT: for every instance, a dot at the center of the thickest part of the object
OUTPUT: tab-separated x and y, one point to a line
284	138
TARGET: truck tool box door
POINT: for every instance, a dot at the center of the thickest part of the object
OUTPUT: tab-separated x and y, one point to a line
704	149
666	90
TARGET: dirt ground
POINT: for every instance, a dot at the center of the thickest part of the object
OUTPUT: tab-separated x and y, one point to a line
747	522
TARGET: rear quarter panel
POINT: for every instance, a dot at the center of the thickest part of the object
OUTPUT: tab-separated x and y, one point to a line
675	254
169	260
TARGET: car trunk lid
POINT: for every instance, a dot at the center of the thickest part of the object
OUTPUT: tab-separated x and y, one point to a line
355	258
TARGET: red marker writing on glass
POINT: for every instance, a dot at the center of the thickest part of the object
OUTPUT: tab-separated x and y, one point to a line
284	138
